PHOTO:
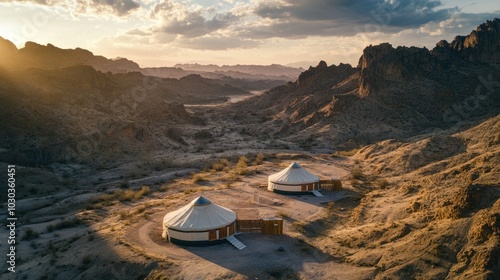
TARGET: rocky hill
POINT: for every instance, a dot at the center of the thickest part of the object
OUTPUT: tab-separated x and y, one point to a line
51	57
392	93
56	114
443	191
481	45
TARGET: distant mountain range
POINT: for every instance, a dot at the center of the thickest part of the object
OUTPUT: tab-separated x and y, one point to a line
246	77
392	93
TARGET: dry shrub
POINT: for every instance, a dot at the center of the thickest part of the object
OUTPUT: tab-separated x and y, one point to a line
221	165
126	195
29	234
198	178
299	226
123	214
283	214
259	158
231	177
142	192
346	153
241	167
217	166
121	195
195	190
382	183
357	173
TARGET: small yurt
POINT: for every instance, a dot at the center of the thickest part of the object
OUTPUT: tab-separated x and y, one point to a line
200	222
293	179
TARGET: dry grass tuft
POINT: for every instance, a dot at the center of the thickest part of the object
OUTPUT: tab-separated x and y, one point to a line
283	214
348	153
198	178
259	158
382	183
357	173
196	189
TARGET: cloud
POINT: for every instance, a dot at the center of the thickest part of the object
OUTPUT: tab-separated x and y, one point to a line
299	18
116	7
190	21
40	2
138	32
219	43
195	25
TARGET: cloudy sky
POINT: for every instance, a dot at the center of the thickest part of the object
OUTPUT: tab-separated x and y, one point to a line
289	32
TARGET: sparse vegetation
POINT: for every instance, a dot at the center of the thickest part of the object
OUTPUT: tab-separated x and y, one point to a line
283	214
221	165
120	195
73	222
346	153
299	226
29	234
86	260
198	178
357	173
382	183
196	189
242	166
259	158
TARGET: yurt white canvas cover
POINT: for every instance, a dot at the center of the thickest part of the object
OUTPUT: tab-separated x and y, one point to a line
199	222
293	179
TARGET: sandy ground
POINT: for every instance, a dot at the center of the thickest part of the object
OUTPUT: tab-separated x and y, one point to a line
127	235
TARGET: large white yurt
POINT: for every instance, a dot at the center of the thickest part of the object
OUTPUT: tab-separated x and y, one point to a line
293	179
200	222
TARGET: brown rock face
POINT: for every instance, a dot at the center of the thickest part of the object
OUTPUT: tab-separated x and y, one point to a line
382	63
481	45
323	76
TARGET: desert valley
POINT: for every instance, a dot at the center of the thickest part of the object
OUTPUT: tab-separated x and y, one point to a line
103	149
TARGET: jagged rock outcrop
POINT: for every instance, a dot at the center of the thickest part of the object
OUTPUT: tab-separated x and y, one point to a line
393	93
383	64
323	76
481	45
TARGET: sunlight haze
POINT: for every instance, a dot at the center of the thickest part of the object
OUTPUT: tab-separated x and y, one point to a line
163	33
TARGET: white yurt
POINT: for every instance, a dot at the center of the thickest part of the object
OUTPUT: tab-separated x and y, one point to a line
200	222
293	179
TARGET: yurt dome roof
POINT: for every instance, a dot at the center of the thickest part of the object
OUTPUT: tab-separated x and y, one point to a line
294	174
199	215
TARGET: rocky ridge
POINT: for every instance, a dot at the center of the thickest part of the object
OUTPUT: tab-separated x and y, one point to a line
393	92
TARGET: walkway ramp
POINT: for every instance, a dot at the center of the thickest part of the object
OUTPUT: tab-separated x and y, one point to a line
317	193
236	243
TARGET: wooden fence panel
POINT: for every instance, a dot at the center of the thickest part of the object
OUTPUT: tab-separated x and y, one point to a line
250	226
331	185
272	227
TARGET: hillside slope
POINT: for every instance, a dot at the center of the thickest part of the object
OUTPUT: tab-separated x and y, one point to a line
393	93
439	214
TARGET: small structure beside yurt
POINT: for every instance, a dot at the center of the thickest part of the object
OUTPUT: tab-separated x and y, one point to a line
200	222
293	179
